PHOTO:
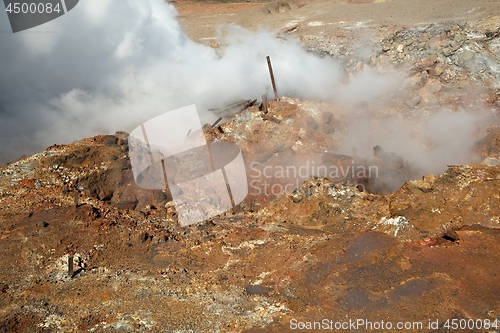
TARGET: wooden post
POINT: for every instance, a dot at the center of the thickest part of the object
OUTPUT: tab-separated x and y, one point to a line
76	197
264	104
272	77
70	266
164	173
218	121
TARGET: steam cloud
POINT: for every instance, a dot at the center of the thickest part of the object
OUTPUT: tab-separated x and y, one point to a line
112	64
429	143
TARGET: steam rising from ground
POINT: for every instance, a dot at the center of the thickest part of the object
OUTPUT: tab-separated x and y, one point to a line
428	144
112	64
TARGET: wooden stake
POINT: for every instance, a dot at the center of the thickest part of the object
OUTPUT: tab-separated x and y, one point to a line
218	121
165	174
271	118
70	266
76	197
264	104
272	77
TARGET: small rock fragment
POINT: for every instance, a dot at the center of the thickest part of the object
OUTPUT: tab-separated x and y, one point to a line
439	69
434	43
434	85
257	290
433	58
144	237
447	51
297	196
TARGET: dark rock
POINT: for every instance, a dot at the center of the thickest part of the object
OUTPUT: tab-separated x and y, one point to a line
159	198
126	165
105	194
110	141
144	237
451	236
125	199
75	160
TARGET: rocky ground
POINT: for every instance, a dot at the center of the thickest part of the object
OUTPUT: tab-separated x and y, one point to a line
344	249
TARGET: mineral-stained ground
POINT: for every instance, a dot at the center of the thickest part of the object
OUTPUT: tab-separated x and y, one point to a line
426	250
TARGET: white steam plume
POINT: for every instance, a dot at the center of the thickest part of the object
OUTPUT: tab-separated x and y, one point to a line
110	65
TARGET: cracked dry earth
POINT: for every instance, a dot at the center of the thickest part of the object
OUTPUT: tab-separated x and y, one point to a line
425	250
